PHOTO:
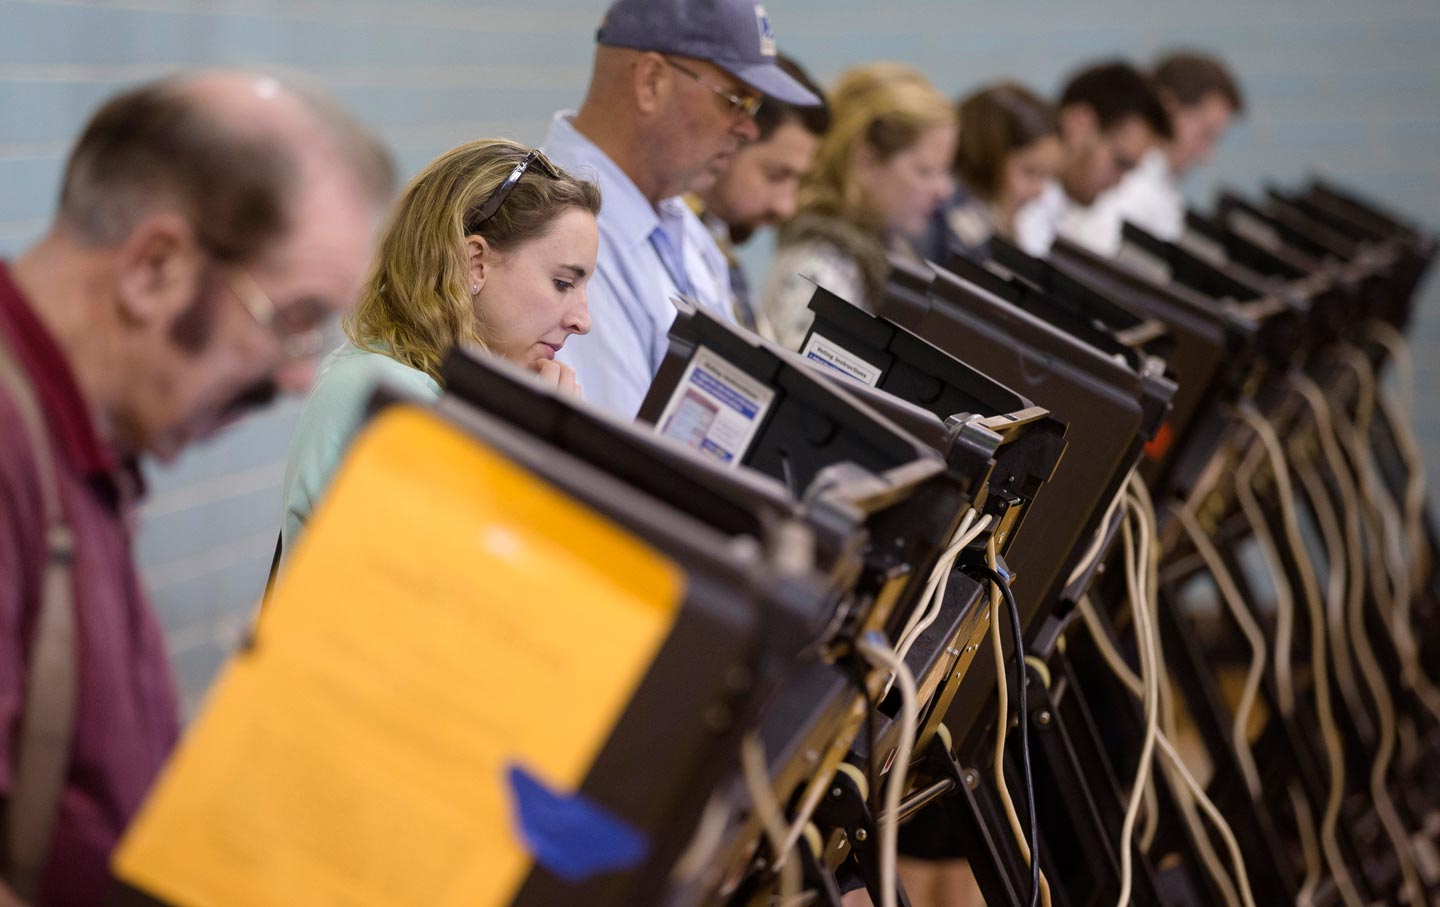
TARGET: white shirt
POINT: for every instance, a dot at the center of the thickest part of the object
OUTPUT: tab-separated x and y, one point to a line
1037	222
1149	197
630	293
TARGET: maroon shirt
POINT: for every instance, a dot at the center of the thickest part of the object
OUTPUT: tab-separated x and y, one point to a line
127	716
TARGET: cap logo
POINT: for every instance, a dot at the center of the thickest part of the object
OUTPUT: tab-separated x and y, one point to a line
767	34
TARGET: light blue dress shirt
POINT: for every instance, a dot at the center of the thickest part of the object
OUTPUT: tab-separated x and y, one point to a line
648	255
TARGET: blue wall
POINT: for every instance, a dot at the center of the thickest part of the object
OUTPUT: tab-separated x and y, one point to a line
1348	87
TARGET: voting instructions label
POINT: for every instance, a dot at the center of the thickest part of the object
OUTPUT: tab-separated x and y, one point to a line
822	350
716	409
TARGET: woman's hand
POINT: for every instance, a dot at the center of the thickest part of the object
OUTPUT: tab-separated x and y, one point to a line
559	377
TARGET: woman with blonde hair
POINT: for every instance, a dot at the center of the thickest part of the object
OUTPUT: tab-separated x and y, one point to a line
881	172
490	247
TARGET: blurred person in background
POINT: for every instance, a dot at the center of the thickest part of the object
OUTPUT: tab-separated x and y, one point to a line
761	186
491	247
1202	98
1009	150
1110	118
673	96
880	174
209	227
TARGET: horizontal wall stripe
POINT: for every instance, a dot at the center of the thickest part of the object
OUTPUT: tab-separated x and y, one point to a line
214	489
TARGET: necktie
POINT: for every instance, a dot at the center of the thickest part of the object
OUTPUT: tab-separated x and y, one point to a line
740	293
673	260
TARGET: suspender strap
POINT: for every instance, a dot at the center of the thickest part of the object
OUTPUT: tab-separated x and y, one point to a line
47	725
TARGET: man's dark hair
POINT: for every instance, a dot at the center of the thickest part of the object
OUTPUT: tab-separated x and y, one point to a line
1190	77
159	144
773	113
1117	91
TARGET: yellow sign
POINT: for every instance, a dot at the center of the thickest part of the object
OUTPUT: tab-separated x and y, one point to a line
447	615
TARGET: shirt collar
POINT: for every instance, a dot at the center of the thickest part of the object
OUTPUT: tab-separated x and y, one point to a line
72	423
625	212
1156	165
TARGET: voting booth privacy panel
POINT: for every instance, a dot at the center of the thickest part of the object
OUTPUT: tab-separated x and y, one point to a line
1110	575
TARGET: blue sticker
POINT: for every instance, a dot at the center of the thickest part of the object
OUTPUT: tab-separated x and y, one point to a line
571	835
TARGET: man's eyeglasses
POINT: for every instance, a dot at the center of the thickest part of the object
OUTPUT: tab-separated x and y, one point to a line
748	104
497	198
300	337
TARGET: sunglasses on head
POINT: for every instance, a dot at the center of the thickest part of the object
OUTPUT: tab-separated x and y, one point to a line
497	198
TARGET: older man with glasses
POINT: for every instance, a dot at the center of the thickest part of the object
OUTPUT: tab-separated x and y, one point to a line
209	226
673	95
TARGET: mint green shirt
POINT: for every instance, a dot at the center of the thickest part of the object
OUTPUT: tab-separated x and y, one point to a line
331	417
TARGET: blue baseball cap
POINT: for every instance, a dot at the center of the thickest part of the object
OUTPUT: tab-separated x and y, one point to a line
735	35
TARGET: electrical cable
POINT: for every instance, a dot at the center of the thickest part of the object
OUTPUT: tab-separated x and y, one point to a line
1370	669
1169	728
1401	416
1315	609
1415	541
872	767
1137	573
1217	820
1385	524
1396	537
889	820
1309	846
1188	792
1230	595
1022	671
923	605
1000	595
1149	602
1336	584
1338	554
934	592
705	843
1094	551
932	600
1117	664
1180	792
1281	659
768	809
1151	812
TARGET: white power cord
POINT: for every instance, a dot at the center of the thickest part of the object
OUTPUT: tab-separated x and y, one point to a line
1401	415
889	821
1111	656
1186	801
1138	567
1337	565
767	808
1400	536
1310	847
1315	608
1093	552
1176	765
1370	668
1284	595
1230	595
927	609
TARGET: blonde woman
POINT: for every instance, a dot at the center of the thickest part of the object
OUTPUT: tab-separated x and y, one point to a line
490	246
880	173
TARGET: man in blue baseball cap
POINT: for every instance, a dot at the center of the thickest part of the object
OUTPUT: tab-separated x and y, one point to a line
672	97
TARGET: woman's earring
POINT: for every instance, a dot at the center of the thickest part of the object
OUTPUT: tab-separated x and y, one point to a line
474	288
